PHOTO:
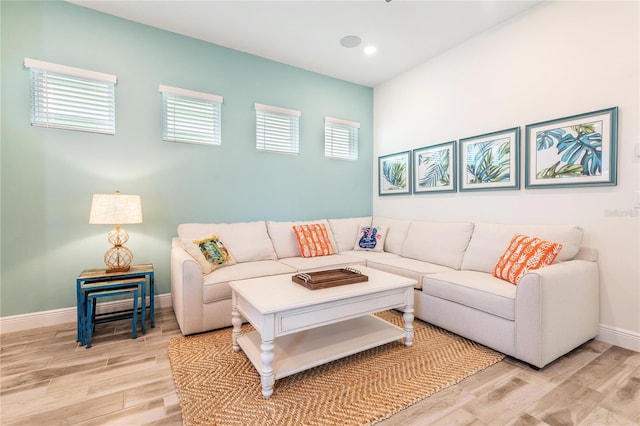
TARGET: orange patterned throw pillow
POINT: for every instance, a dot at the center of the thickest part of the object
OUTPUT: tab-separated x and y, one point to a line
313	240
524	254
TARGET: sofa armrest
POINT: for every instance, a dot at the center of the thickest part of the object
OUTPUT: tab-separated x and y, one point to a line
186	289
557	309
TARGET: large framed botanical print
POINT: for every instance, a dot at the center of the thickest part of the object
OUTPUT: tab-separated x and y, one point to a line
490	161
394	174
434	168
580	150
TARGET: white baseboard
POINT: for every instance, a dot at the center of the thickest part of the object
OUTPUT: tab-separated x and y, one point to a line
33	320
620	337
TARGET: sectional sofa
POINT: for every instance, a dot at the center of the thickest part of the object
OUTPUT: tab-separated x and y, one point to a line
549	312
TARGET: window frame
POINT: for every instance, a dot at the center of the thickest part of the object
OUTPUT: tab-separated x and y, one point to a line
331	126
70	98
274	126
184	100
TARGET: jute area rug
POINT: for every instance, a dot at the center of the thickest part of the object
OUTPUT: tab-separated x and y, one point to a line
217	386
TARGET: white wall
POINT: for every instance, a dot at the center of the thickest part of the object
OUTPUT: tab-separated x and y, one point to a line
558	59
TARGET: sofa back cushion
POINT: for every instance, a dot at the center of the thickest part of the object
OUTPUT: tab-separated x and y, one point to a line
396	233
490	240
442	243
246	241
284	239
345	231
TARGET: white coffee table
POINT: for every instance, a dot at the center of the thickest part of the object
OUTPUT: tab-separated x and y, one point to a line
297	328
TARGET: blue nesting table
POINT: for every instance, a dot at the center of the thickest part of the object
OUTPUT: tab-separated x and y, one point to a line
94	281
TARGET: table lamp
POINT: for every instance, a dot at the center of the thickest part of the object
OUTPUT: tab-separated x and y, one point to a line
116	209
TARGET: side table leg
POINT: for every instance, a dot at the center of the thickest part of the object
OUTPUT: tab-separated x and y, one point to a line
81	310
143	304
236	320
266	373
408	325
88	322
152	306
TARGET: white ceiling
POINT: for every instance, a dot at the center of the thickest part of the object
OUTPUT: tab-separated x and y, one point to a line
307	34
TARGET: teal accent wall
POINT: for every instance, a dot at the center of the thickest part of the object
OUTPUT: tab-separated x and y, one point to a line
48	176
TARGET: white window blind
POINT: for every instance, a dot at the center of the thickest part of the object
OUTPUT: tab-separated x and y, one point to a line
277	129
190	116
71	98
341	138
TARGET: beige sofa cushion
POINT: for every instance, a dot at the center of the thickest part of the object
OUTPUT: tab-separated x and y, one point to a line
389	262
284	239
216	285
474	289
490	240
334	261
441	243
246	241
345	231
396	233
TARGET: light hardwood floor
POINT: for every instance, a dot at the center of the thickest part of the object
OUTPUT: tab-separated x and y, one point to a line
47	379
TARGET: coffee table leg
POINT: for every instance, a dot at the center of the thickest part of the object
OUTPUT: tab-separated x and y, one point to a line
236	320
266	374
408	325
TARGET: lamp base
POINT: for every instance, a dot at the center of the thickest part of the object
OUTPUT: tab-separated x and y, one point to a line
118	259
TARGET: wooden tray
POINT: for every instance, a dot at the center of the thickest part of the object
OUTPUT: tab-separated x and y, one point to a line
329	278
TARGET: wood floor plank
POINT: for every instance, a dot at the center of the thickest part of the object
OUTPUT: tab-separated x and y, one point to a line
18	402
458	417
567	404
432	409
525	420
505	401
48	379
602	416
69	413
149	391
136	415
623	397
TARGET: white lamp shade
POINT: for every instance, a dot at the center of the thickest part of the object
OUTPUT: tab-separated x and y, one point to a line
115	209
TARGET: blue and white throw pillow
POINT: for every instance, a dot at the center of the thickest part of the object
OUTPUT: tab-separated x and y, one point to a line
370	238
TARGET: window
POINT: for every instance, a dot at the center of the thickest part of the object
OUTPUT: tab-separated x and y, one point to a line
71	98
277	129
341	138
189	116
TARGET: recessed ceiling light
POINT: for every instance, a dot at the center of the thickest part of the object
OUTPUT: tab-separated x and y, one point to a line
370	50
350	41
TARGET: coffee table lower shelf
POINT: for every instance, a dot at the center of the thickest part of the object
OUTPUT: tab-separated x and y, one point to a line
300	351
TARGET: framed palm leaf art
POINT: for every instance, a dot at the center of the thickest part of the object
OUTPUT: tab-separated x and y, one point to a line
434	168
490	161
394	174
580	150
